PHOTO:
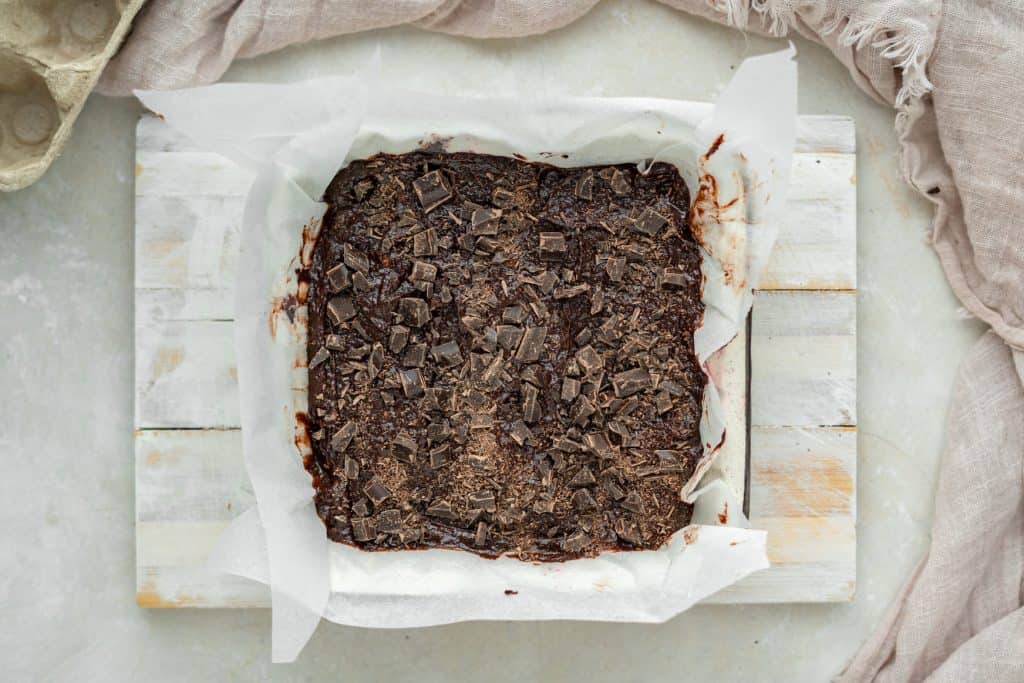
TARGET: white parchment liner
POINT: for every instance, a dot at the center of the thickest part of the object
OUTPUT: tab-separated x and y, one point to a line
735	156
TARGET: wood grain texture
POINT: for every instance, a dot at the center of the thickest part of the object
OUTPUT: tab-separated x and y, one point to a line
190	477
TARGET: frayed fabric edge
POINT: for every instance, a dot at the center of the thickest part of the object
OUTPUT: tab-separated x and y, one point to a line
907	44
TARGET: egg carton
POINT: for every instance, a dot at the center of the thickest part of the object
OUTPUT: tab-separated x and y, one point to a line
51	55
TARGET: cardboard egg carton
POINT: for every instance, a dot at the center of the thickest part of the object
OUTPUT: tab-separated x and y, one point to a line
51	54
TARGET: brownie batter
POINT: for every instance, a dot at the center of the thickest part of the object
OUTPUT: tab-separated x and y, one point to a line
501	356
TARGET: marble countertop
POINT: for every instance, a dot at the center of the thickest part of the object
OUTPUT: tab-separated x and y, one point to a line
67	607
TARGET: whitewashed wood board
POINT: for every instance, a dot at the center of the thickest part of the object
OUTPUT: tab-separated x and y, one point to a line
190	478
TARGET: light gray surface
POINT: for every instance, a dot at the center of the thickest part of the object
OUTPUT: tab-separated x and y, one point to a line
67	607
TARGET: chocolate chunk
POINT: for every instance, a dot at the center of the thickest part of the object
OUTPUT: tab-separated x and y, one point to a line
432	190
389	522
343	437
513	314
362	189
412	382
340	309
630	382
441	509
615	266
529	375
519	432
531	410
552	245
599	445
663	402
502	198
337	278
415	356
484	221
672	278
585	186
632	502
614	490
319	357
583	501
335	342
565	444
355	259
481	421
570	292
532	345
575	542
361	508
508	336
672	387
583	477
627	531
480	538
364	529
482	500
581	411
351	468
619	182
398	338
544	506
649	222
446	355
570	389
424	243
485	245
404	447
376	491
589	359
491	375
439	457
414	311
423	272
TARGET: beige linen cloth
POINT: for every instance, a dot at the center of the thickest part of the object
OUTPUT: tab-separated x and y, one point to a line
954	71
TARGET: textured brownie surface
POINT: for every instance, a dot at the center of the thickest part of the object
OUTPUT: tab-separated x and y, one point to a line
501	356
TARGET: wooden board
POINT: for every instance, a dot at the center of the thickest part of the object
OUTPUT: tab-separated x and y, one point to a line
190	477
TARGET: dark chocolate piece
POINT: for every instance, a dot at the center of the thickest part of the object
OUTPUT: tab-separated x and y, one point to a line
432	189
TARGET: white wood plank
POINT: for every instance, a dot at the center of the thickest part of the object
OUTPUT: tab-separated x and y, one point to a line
825	134
188	174
190	475
798	472
185	375
801	379
155	305
816	246
186	241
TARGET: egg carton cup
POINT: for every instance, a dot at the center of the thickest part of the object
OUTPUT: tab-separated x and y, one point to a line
51	55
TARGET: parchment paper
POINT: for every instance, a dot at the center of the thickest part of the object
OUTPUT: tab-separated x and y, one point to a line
735	157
